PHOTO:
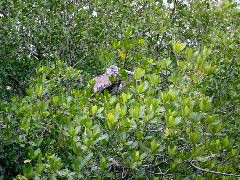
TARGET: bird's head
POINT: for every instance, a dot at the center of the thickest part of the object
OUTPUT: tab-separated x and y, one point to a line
112	70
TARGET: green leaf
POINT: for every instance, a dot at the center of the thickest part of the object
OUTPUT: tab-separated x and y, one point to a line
138	73
136	155
186	111
94	109
143	86
110	117
189	52
154	145
27	170
178	46
124	97
172	151
85	160
194	137
171	121
141	41
166	62
178	120
37	153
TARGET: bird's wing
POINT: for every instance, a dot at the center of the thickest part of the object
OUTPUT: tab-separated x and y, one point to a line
117	87
101	83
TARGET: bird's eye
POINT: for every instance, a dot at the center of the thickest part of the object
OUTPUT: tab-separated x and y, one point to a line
114	69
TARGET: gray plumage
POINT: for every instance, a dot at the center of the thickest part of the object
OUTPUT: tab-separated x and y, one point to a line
103	81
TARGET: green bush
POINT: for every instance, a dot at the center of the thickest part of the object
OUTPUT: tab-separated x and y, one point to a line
161	125
178	117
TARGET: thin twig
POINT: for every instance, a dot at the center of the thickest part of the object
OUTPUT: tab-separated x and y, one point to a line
156	130
164	174
213	172
124	173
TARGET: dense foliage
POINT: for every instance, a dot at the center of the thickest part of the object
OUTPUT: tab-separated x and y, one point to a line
177	117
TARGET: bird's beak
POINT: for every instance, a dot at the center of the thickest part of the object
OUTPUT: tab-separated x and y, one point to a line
129	72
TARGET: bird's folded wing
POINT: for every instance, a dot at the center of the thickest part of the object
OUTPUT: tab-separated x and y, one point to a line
101	82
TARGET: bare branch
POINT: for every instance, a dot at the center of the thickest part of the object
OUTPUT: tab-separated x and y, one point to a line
210	171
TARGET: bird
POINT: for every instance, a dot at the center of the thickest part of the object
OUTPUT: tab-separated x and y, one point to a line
104	81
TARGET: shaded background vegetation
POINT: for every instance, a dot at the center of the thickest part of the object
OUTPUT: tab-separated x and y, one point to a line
187	60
